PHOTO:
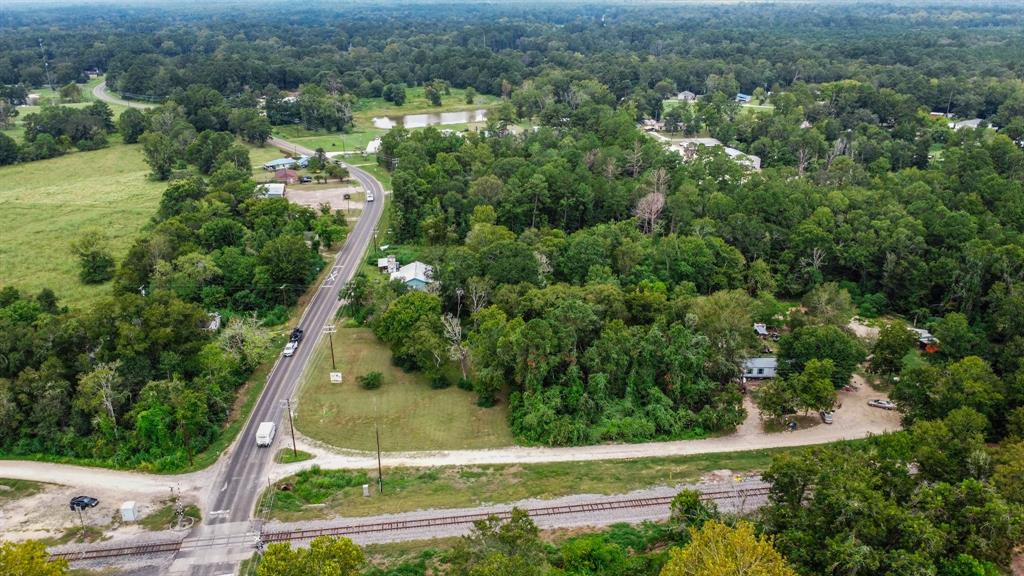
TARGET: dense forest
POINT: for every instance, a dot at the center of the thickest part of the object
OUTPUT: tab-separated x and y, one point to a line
591	278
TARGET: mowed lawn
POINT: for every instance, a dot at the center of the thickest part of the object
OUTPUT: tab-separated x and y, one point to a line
45	205
411	415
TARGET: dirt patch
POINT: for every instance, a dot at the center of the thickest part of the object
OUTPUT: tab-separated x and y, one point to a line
335	197
46	515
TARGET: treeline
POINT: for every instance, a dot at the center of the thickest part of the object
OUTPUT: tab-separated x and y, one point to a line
140	380
55	130
611	287
640	53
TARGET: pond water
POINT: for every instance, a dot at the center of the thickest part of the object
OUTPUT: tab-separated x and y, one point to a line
432	119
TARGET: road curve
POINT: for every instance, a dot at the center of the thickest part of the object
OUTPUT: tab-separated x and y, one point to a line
101	93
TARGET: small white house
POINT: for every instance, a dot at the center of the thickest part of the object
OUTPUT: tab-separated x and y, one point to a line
271	190
416	275
760	368
373	147
686	96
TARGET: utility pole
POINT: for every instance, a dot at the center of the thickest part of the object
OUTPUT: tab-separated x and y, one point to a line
295	452
380	472
330	329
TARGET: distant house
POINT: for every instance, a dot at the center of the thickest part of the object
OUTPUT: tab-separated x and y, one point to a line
688	147
760	329
971	124
286	176
760	368
686	96
805	125
373	147
271	190
32	99
286	163
744	159
743	98
925	340
416	275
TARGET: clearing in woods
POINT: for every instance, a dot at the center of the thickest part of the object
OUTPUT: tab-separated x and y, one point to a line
410	414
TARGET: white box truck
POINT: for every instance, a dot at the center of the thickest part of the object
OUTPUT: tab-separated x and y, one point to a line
265	433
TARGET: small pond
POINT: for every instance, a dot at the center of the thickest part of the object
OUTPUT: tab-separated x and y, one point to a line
432	119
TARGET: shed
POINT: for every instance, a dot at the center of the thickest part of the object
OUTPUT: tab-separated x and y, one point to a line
686	96
286	176
129	511
760	329
743	98
415	275
760	368
272	189
925	340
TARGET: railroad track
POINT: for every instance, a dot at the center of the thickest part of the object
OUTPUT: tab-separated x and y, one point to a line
400	525
119	552
460	519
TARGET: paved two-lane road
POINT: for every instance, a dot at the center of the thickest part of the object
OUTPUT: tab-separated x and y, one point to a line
244	471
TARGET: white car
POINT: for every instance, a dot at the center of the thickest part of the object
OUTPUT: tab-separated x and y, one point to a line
369	196
290	348
827	417
882	403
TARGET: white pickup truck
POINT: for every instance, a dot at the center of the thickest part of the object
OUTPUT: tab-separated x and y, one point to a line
265	433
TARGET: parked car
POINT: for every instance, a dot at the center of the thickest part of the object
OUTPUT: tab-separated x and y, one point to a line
882	403
290	348
826	417
369	196
296	335
79	503
305	179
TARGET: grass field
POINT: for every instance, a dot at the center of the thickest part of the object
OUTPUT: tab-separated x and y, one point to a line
45	205
416	103
407	489
11	490
368	108
410	414
356	140
49	96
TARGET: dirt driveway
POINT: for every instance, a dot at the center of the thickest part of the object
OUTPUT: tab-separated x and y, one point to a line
855	419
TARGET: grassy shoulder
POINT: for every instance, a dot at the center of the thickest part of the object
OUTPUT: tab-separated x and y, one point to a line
409	413
11	490
288	456
317	493
44	205
166	518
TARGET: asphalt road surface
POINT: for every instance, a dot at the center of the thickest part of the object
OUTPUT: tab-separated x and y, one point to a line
243	471
100	92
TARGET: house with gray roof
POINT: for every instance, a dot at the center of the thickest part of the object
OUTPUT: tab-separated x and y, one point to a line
760	368
415	275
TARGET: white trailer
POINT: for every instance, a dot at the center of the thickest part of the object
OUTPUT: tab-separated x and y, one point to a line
265	433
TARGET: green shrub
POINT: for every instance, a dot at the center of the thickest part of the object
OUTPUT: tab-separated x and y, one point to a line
371	380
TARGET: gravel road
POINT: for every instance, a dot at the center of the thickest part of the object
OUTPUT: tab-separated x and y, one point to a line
854	419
